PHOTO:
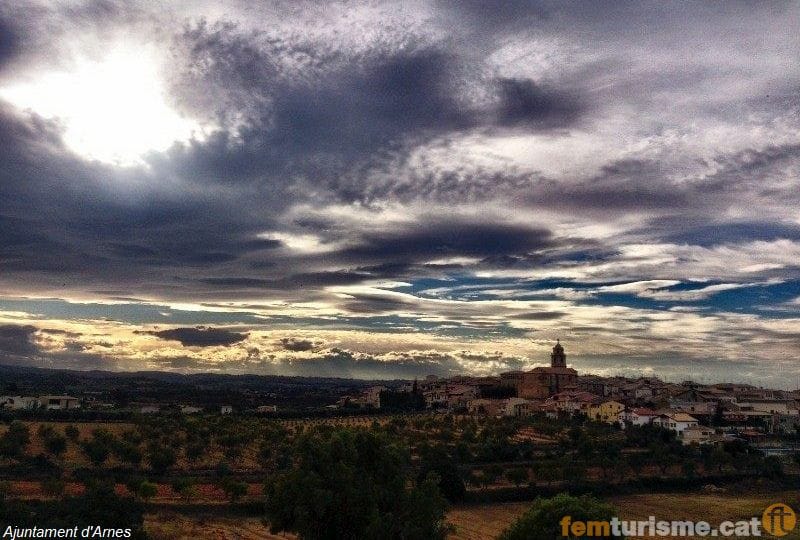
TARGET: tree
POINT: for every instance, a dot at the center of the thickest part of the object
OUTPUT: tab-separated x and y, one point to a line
161	458
100	505
517	476
609	459
128	452
72	432
147	490
491	473
53	487
771	467
719	458
543	520
233	489
662	456
15	440
435	459
6	489
548	473
132	484
185	488
96	450
689	468
573	472
55	444
353	484
636	461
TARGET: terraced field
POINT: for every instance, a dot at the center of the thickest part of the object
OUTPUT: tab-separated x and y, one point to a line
488	521
171	526
485	521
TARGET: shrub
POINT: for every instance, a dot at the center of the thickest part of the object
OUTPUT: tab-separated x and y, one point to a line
543	520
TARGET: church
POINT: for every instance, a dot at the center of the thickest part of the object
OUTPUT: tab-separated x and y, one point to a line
543	382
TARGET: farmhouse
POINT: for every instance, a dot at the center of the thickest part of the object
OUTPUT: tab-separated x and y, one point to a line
58	403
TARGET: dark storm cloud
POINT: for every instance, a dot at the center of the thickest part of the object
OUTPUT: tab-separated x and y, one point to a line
324	118
369	106
752	170
18	340
710	234
378	303
344	363
645	186
525	103
344	112
308	279
441	238
619	186
298	344
58	332
10	41
515	13
200	336
539	315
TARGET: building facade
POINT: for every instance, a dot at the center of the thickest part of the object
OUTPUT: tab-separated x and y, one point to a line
543	382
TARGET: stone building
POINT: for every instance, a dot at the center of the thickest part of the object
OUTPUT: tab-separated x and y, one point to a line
543	382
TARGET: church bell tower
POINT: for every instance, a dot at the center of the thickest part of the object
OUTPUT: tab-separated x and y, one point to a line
557	358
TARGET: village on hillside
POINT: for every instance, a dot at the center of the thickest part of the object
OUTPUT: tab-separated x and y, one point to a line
697	413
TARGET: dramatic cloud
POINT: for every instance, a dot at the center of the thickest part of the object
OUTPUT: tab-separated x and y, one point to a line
200	336
17	340
298	344
453	177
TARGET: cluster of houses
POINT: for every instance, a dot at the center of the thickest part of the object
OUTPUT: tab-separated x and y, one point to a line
61	403
191	409
48	402
686	408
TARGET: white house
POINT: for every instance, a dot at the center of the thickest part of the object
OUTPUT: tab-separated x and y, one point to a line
697	434
188	409
637	417
58	403
676	422
19	402
267	408
771	406
518	407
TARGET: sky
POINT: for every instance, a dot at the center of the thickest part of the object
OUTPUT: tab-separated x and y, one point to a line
395	189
